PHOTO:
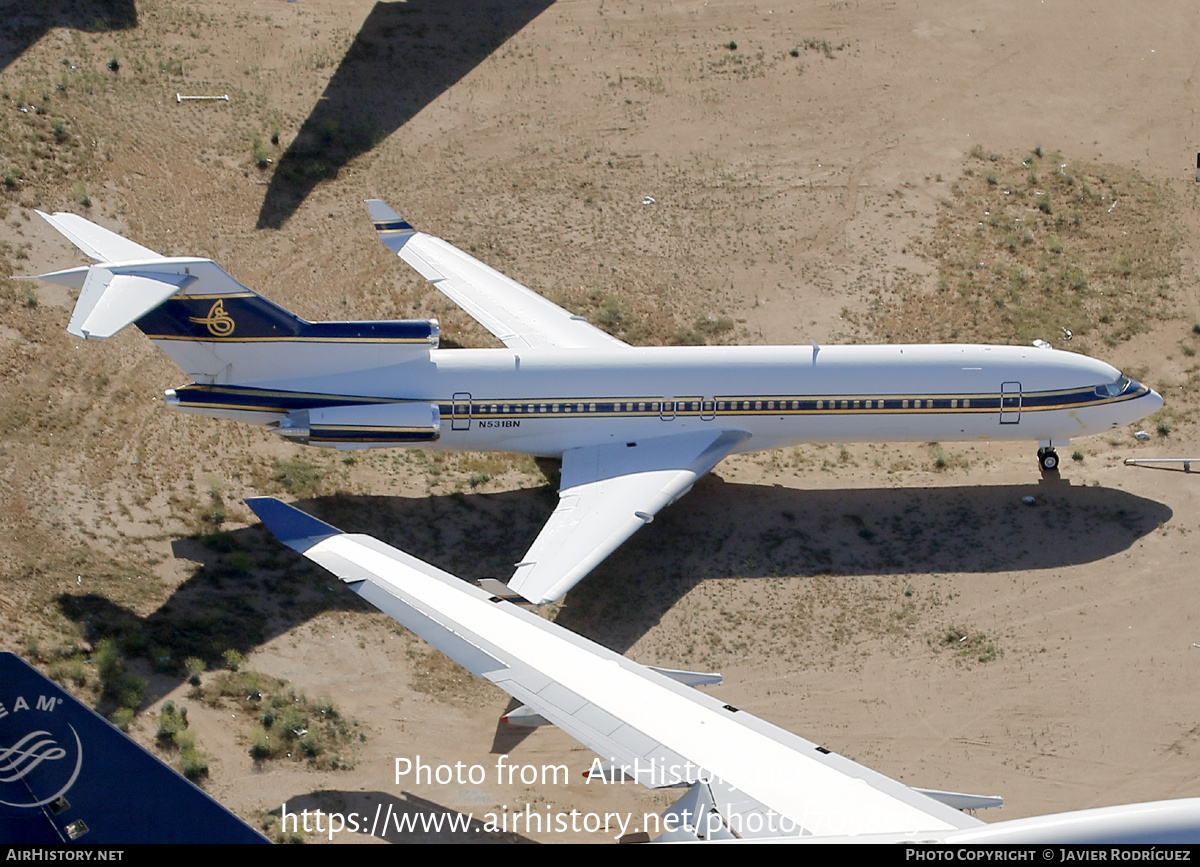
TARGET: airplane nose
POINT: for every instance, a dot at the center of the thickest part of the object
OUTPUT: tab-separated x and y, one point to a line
1150	402
1156	400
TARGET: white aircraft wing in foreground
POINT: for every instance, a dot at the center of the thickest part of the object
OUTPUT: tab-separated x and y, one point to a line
745	778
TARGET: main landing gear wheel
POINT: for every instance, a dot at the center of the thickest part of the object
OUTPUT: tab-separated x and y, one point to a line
1048	460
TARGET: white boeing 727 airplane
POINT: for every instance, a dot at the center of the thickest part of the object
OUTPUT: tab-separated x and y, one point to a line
634	426
744	778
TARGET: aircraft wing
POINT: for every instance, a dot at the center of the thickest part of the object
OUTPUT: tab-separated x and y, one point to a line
744	774
746	778
517	315
607	493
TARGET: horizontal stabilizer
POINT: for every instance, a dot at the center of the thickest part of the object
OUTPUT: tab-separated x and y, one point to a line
71	277
109	301
115	294
96	241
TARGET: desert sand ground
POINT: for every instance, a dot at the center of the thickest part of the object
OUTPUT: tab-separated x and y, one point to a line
799	155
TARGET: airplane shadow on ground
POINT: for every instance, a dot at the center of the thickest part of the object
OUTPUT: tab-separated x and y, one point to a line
248	588
723	530
25	22
406	54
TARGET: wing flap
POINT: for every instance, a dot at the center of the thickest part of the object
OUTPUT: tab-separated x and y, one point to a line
607	494
515	314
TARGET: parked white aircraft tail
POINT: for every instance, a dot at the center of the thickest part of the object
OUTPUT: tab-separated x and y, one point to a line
634	426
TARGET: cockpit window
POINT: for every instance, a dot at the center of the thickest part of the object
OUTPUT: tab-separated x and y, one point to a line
1113	389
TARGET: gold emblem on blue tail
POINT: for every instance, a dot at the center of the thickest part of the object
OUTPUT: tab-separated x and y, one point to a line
220	323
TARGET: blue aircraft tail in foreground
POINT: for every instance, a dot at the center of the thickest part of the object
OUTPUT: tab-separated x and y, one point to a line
68	776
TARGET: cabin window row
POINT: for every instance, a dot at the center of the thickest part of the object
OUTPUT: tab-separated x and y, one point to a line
721	406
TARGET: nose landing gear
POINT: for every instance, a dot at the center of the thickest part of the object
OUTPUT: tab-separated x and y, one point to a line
1047	459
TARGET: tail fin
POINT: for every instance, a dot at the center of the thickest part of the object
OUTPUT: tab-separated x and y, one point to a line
132	282
211	325
71	777
169	299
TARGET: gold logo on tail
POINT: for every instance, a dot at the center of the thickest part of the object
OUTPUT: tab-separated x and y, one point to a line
220	323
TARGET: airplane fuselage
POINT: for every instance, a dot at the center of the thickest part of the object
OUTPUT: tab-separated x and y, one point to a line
635	426
545	401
